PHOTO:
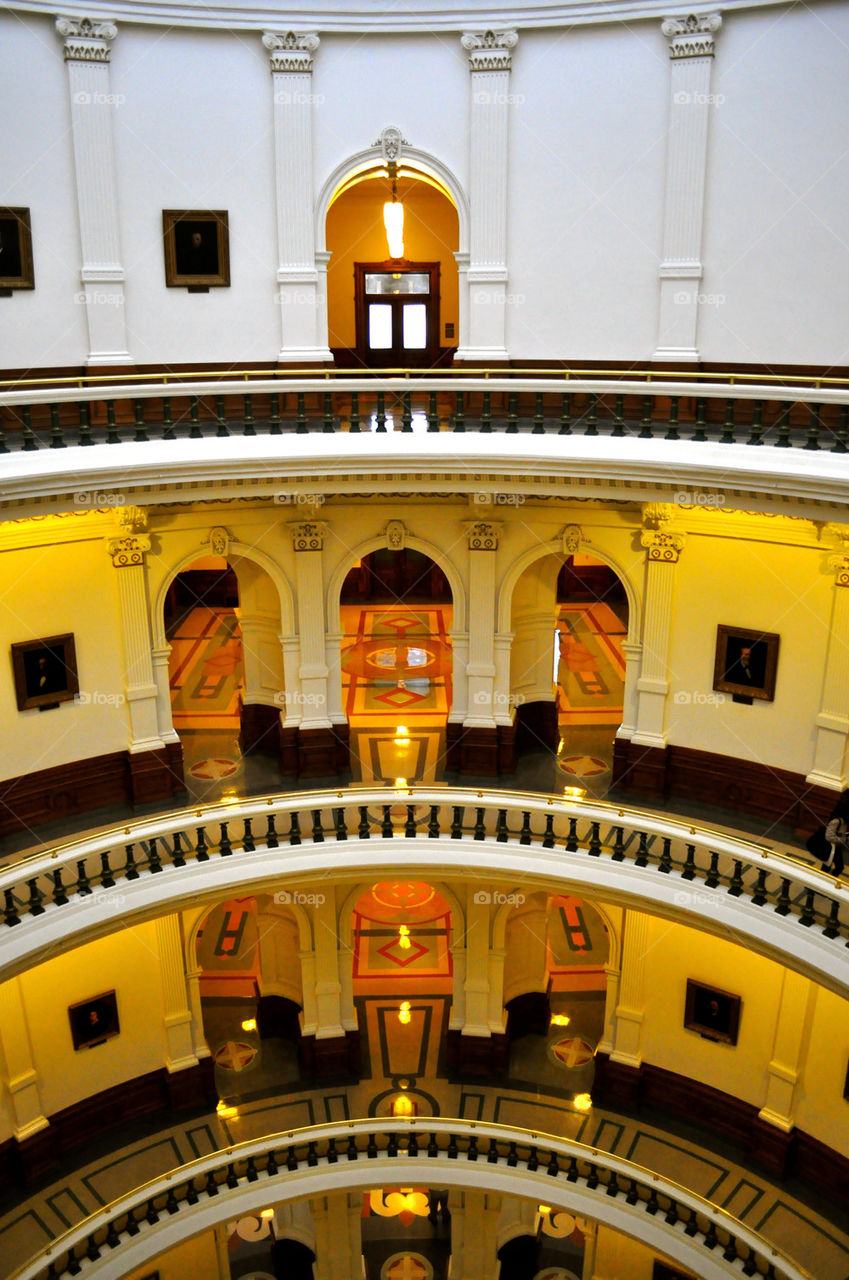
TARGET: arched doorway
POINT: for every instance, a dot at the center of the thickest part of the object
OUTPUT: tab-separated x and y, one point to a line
570	623
251	993
396	617
557	950
388	311
225	669
403	977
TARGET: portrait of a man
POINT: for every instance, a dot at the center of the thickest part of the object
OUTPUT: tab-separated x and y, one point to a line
197	253
15	250
745	663
94	1021
713	1013
45	672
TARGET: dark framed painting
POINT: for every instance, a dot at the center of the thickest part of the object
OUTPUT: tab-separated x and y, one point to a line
663	1271
16	270
746	662
713	1013
197	248
94	1020
846	1084
45	672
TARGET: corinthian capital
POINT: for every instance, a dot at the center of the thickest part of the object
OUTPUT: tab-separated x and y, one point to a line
692	36
86	40
291	50
490	50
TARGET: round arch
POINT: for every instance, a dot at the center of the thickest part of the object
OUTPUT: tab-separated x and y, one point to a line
379	543
345	918
499	927
552	547
411	158
235	551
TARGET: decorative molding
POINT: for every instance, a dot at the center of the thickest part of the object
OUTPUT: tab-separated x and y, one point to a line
840	567
666	547
396	535
128	551
692	36
391	141
571	539
490	50
483	534
308	535
131	519
291	50
218	540
86	40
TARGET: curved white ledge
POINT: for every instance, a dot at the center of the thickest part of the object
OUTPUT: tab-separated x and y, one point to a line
588	1192
679	893
335	16
784	480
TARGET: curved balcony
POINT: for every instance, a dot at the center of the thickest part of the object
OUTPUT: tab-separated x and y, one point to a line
356	1154
782	907
645	435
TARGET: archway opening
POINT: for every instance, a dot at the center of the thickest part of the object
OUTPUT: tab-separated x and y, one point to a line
555	986
251	995
225	673
391	309
396	617
403	977
570	622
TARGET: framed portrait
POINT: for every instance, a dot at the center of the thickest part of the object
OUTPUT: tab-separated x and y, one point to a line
94	1020
846	1084
15	250
746	662
713	1013
663	1271
197	248
45	672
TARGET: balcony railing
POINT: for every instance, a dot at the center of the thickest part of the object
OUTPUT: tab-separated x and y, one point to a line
436	1152
810	414
678	868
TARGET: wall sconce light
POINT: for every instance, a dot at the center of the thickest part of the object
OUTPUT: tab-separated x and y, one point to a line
393	215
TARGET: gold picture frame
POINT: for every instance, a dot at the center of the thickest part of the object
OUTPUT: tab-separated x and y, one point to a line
197	248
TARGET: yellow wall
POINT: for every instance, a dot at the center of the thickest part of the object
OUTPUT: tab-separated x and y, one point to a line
126	962
355	233
53	590
618	1256
822	1109
193	1259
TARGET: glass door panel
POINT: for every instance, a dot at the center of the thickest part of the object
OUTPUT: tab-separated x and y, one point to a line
414	328
380	326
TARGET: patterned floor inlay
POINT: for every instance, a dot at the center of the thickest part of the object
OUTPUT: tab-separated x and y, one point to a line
213	770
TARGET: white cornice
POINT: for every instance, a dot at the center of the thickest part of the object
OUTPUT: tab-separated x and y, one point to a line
335	16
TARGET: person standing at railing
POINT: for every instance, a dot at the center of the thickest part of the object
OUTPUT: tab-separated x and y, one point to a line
837	836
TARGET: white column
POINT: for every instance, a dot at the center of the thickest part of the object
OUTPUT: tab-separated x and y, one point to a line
457	1017
333	660
21	1076
790	1048
632	990
338	1238
474	1235
504	704
292	698
462	260
480	667
177	1010
832	722
308	541
490	58
691	47
291	55
460	681
476	984
87	52
193	976
328	987
630	698
162	680
127	552
663	550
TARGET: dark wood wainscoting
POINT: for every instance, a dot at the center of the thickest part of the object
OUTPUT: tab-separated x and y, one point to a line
83	786
688	774
652	1090
193	1088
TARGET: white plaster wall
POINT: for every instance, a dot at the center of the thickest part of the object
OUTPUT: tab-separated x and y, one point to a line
193	128
47	325
585	192
195	132
775	245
